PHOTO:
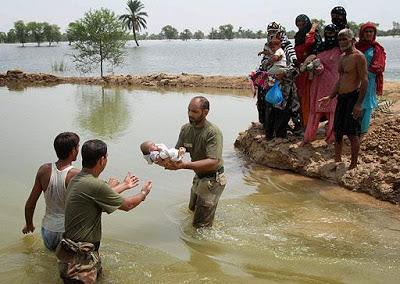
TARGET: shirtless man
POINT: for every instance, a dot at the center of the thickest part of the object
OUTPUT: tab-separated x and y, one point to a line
350	89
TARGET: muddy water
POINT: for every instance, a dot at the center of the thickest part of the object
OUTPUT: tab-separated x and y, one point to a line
271	226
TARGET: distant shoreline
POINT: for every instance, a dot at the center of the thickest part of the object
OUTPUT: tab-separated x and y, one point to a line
160	80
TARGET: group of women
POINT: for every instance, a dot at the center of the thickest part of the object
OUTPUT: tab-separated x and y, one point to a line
313	73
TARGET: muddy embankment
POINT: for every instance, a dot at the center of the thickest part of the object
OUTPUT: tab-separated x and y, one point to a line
378	173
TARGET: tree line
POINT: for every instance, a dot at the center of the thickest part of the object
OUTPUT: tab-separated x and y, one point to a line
37	32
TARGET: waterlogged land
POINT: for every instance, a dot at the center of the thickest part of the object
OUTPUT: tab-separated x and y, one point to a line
271	226
378	173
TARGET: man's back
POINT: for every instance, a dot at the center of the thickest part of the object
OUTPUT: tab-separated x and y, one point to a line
87	198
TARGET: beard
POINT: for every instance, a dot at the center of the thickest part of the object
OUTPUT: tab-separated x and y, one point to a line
345	47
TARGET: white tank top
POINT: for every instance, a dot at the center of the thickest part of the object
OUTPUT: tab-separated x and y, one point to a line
54	196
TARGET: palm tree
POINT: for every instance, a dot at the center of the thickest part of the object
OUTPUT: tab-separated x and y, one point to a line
135	18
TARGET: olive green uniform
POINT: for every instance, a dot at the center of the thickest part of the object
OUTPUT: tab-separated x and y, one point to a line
204	143
87	197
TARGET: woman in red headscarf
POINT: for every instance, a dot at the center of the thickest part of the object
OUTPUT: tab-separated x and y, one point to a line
376	59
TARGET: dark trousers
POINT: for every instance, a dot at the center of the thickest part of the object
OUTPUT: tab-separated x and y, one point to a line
276	121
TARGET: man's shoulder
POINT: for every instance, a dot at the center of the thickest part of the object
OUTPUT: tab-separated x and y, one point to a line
212	128
44	169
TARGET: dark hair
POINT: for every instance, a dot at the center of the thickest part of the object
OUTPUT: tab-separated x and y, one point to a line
205	104
144	147
64	143
92	151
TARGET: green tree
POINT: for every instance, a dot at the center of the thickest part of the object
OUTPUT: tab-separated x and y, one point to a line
169	32
98	38
36	30
134	20
11	36
321	25
261	34
198	35
52	33
214	34
71	32
186	34
354	27
3	37
21	32
226	31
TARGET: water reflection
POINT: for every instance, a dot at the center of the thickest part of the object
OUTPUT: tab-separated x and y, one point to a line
103	112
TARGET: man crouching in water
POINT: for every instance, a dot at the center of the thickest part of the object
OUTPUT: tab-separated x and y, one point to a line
350	89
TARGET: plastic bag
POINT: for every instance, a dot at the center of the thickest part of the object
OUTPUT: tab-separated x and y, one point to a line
274	95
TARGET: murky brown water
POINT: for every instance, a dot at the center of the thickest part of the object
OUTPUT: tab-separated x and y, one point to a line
271	226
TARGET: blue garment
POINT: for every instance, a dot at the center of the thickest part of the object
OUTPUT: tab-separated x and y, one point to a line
370	101
51	239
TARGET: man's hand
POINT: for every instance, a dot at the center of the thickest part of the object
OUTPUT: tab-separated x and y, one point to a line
314	27
357	111
28	229
324	102
173	166
131	181
112	182
147	186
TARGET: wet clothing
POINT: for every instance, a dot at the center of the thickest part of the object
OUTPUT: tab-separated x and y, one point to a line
323	84
378	61
87	198
78	262
203	143
204	196
54	196
344	123
51	239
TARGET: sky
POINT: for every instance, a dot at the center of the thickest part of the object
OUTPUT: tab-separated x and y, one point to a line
202	14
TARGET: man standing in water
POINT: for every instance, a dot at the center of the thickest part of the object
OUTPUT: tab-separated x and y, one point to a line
351	89
203	140
52	179
87	197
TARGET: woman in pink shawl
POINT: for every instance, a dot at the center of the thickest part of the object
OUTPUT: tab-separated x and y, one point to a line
324	82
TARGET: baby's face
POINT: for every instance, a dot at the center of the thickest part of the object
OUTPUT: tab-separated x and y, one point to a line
152	147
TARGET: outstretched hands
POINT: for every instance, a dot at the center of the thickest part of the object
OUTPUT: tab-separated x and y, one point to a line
131	181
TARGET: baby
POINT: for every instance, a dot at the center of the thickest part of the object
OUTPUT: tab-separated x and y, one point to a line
274	61
311	64
153	153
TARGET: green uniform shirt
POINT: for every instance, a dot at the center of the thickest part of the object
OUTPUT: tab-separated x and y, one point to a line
202	143
87	197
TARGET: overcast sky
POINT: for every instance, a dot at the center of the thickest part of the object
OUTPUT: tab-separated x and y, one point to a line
201	14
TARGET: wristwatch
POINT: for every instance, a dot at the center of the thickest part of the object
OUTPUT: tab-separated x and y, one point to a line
144	194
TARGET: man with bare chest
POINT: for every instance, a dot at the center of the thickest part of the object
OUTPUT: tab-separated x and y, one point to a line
350	89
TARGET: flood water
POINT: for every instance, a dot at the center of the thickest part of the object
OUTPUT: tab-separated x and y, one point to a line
207	57
271	226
